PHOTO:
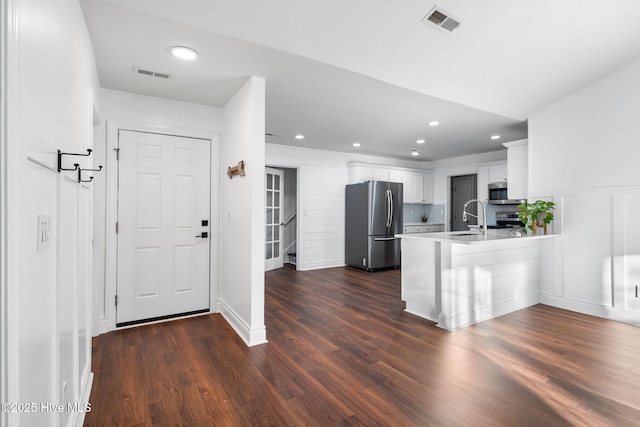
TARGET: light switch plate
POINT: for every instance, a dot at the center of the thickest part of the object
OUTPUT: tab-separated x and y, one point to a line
44	231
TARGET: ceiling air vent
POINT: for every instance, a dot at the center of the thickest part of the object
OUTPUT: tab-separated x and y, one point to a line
441	19
138	70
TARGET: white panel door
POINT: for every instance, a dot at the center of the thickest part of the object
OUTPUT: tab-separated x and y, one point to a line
163	225
274	179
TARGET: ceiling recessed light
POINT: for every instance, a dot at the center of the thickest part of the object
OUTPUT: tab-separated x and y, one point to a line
415	153
298	136
356	144
183	52
495	136
434	123
420	141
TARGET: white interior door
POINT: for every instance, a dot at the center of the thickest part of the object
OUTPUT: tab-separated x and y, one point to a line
163	225
274	179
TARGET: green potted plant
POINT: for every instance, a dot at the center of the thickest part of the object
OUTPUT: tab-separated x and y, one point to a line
536	214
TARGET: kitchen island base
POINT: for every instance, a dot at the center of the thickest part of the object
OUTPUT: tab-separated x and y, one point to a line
456	284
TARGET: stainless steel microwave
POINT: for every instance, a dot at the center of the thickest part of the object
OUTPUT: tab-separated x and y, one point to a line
498	195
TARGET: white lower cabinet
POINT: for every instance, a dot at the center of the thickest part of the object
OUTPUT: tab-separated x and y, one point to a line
427	228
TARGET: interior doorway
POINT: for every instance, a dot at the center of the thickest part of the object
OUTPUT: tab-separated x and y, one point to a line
463	189
285	221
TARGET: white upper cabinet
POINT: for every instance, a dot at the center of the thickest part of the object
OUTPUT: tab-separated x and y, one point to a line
498	172
517	163
395	175
380	174
427	187
483	183
359	174
413	186
417	185
362	173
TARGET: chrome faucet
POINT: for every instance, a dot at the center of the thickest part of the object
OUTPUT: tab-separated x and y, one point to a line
484	214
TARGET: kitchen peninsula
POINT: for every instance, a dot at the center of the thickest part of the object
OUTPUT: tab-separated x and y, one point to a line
460	278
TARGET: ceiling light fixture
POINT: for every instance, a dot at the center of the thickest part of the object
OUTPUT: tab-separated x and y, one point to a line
434	123
183	52
415	152
356	144
420	141
299	136
495	136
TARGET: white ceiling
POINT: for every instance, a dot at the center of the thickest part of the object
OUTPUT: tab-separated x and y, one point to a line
369	71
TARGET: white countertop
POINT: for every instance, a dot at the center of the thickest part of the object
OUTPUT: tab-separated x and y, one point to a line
471	237
423	223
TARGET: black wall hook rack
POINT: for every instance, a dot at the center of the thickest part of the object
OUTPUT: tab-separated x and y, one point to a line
76	165
90	178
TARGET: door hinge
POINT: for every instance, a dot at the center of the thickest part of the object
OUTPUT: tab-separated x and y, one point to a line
116	227
117	153
116	301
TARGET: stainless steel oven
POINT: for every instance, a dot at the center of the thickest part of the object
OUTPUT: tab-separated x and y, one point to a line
508	220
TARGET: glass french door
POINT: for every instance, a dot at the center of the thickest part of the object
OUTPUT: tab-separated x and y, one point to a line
274	179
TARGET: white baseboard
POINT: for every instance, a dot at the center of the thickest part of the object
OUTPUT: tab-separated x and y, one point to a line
451	323
251	336
321	264
591	309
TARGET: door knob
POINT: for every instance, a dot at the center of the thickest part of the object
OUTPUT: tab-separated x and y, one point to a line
204	235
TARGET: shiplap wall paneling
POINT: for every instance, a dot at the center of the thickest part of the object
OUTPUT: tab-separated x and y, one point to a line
323	211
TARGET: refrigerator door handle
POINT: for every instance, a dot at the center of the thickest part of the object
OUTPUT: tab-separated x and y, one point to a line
388	199
390	208
378	239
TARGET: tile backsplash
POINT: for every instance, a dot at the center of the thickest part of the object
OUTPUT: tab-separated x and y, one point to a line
413	213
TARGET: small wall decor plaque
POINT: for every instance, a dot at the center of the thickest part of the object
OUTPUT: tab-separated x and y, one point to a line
236	170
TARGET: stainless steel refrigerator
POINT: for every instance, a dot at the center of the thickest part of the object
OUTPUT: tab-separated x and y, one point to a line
373	215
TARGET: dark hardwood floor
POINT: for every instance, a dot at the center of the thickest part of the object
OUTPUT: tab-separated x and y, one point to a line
343	352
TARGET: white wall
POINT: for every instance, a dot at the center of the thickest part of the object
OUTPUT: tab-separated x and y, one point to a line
242	222
50	85
583	153
118	107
